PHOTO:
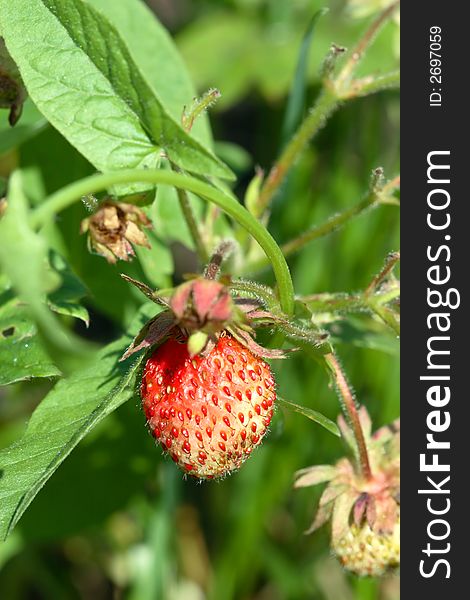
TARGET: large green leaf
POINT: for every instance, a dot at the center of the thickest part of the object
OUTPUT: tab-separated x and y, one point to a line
83	79
74	406
156	55
100	476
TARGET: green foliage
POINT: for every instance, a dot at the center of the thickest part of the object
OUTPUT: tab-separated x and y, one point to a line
156	56
22	355
23	256
75	405
296	103
86	83
259	47
107	87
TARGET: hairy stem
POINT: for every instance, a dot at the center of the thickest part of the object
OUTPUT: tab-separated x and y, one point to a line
325	105
387	315
95	183
329	226
349	407
192	225
371	85
265	293
390	262
371	200
334	92
342	302
344	77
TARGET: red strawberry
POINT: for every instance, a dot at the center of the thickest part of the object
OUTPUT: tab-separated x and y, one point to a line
210	411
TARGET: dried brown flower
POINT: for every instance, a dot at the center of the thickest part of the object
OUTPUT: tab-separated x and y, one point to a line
114	228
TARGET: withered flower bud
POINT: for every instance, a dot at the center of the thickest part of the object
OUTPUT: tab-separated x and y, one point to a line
114	228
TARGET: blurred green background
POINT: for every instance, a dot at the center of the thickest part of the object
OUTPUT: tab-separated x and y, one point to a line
117	520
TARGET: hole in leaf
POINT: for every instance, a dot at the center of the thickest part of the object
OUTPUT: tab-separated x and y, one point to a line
8	332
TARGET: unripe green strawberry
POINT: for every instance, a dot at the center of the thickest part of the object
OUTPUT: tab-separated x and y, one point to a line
211	410
366	552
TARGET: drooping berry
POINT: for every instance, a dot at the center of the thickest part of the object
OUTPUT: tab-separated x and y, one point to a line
208	411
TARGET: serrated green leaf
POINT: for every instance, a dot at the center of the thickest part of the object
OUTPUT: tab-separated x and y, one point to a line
82	77
74	406
156	55
71	92
22	355
311	414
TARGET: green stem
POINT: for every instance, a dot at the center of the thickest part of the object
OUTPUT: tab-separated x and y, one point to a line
320	231
336	303
329	226
257	290
95	183
375	197
356	55
341	302
386	297
388	316
334	92
390	262
192	225
349	407
371	85
325	105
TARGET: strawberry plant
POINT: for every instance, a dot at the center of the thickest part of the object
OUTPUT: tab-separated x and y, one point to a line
164	299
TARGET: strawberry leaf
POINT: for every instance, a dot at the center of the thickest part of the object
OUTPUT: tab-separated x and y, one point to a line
82	77
156	55
66	415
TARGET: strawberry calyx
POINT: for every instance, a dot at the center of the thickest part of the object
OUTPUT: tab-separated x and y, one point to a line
353	503
202	309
